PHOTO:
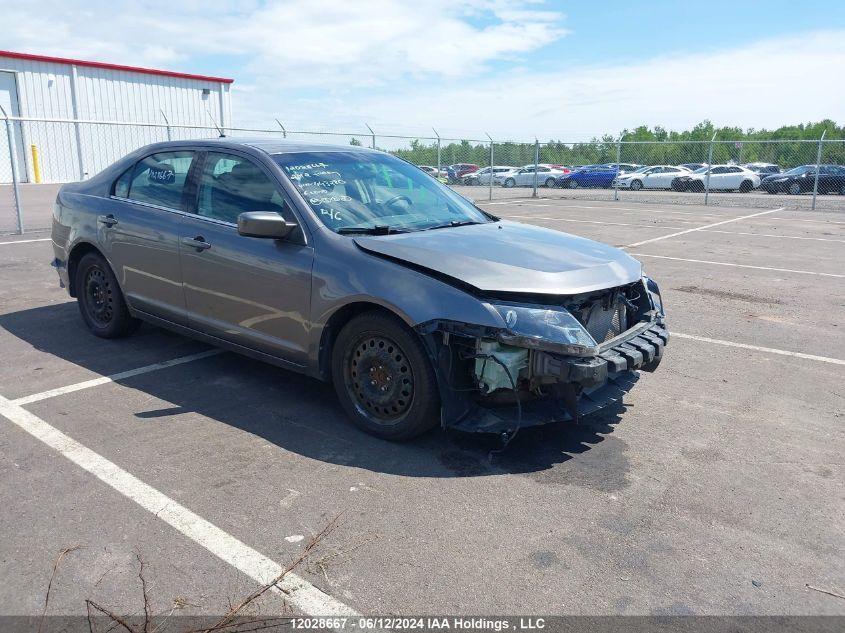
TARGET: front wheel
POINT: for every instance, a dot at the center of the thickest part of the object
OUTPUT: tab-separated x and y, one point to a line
100	299
509	182
636	185
550	182
794	189
384	379
573	184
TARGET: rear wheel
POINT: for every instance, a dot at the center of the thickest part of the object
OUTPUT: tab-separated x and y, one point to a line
100	300
384	379
746	186
794	189
573	184
550	182
636	185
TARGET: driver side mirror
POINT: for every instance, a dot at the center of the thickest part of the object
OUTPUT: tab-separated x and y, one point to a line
268	224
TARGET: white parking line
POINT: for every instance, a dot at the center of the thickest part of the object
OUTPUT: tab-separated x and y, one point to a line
785	237
706	226
757	348
87	384
298	591
704	261
40	239
537	217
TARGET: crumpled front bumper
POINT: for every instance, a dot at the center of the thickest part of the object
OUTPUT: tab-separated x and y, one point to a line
602	381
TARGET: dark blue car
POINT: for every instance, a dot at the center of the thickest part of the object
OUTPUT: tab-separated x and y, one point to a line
588	177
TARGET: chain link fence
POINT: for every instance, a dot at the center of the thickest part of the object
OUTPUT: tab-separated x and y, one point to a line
37	155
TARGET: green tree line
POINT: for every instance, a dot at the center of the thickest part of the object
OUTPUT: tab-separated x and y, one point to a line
650	146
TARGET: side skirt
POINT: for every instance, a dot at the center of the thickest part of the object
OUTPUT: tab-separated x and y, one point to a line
221	343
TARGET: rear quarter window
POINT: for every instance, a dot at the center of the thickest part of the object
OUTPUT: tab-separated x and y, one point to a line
159	179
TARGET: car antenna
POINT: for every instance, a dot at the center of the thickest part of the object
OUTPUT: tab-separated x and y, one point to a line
219	129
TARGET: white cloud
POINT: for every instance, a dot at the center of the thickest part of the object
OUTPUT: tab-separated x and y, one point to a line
463	66
764	84
299	42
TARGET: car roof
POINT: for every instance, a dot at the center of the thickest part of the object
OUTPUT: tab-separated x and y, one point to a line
268	145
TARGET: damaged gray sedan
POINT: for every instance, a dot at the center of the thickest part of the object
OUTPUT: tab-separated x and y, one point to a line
353	266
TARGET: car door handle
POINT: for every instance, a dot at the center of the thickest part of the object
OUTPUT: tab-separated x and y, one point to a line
109	220
197	242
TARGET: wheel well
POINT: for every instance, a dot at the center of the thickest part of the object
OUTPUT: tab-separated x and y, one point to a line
79	251
335	324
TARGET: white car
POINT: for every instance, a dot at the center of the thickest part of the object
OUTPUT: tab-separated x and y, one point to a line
482	176
652	177
524	177
433	171
722	178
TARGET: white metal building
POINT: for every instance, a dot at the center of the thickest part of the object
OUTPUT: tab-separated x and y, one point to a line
71	93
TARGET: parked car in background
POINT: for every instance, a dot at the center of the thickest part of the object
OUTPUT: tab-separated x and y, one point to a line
457	171
302	255
525	176
692	166
722	178
653	177
482	176
433	171
763	169
802	179
624	168
592	176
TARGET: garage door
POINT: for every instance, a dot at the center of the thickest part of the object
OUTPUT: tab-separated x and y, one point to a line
9	101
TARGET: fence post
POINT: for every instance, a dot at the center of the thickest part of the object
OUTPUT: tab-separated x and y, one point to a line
490	175
284	131
438	151
536	164
373	133
709	168
13	162
618	160
818	163
167	123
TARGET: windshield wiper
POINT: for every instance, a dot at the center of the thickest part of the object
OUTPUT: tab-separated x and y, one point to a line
379	229
452	224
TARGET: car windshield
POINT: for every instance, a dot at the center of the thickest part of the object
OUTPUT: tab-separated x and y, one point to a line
797	171
356	190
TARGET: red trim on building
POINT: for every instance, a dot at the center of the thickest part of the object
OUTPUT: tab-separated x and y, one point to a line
131	69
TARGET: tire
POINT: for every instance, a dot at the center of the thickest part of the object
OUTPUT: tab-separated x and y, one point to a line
697	186
398	398
745	186
842	189
509	182
100	299
636	185
793	189
573	184
550	183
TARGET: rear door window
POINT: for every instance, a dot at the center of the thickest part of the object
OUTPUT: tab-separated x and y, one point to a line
158	179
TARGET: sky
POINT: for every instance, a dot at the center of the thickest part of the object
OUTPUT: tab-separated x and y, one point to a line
513	69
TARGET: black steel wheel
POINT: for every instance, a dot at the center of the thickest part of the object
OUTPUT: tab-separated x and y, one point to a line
100	300
793	189
383	377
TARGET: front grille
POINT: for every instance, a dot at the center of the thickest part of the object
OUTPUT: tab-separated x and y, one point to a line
605	322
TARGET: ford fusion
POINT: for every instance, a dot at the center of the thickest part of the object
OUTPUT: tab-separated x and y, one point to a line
355	267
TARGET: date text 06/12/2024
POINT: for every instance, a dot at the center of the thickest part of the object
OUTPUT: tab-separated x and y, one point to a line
430	623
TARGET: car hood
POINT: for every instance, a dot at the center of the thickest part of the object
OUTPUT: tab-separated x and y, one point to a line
510	257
